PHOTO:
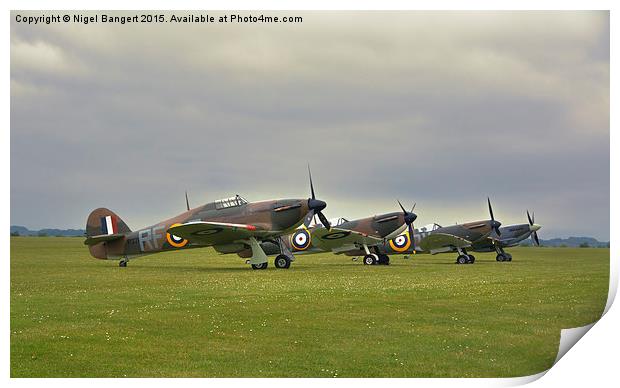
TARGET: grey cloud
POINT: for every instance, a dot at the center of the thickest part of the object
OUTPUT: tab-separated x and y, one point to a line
443	108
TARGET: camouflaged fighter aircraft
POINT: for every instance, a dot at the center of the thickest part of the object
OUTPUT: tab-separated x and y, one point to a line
365	235
436	239
433	238
511	236
230	225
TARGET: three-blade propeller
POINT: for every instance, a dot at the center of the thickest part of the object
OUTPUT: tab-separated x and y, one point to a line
409	218
535	239
315	206
494	224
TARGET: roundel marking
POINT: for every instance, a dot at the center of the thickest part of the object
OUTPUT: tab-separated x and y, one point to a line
208	232
335	235
301	240
176	241
400	243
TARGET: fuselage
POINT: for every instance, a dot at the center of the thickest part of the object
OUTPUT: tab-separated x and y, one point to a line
511	235
476	232
381	226
272	217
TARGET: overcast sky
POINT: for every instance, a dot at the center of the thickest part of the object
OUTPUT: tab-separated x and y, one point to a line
439	108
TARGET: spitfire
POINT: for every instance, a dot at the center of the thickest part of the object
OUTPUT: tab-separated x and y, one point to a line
230	225
477	236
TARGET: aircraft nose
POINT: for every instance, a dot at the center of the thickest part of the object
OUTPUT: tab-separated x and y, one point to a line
535	227
316	204
410	217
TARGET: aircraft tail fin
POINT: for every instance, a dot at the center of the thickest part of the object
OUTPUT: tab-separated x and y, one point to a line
103	227
103	221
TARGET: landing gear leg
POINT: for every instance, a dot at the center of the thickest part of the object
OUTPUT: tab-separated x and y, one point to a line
259	258
502	255
285	258
370	258
463	257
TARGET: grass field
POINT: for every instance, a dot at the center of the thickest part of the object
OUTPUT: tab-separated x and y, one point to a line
195	313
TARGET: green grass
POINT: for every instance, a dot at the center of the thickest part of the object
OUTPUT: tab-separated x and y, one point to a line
196	313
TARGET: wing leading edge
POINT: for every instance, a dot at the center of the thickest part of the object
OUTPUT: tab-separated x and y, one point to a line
341	240
211	233
442	242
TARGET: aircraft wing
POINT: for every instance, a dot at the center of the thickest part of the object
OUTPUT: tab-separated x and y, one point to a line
442	242
210	233
341	240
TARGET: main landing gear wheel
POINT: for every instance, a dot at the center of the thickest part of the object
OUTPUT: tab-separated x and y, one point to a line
504	257
371	259
384	259
122	263
462	259
472	259
260	266
282	261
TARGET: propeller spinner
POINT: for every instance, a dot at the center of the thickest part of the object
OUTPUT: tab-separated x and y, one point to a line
494	224
409	218
534	228
316	206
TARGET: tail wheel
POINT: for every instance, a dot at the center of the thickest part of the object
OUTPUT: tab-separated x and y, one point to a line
370	259
260	266
282	261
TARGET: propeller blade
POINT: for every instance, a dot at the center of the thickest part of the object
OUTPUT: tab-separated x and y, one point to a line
413	208
311	186
186	200
535	239
401	206
533	218
490	209
324	221
308	218
529	219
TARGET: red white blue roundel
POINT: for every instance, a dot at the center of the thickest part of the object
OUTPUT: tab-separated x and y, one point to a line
301	240
400	243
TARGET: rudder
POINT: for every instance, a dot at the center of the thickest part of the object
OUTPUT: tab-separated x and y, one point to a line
104	221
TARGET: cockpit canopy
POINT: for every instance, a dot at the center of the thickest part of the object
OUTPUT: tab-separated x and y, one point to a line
337	221
428	228
332	221
235	201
